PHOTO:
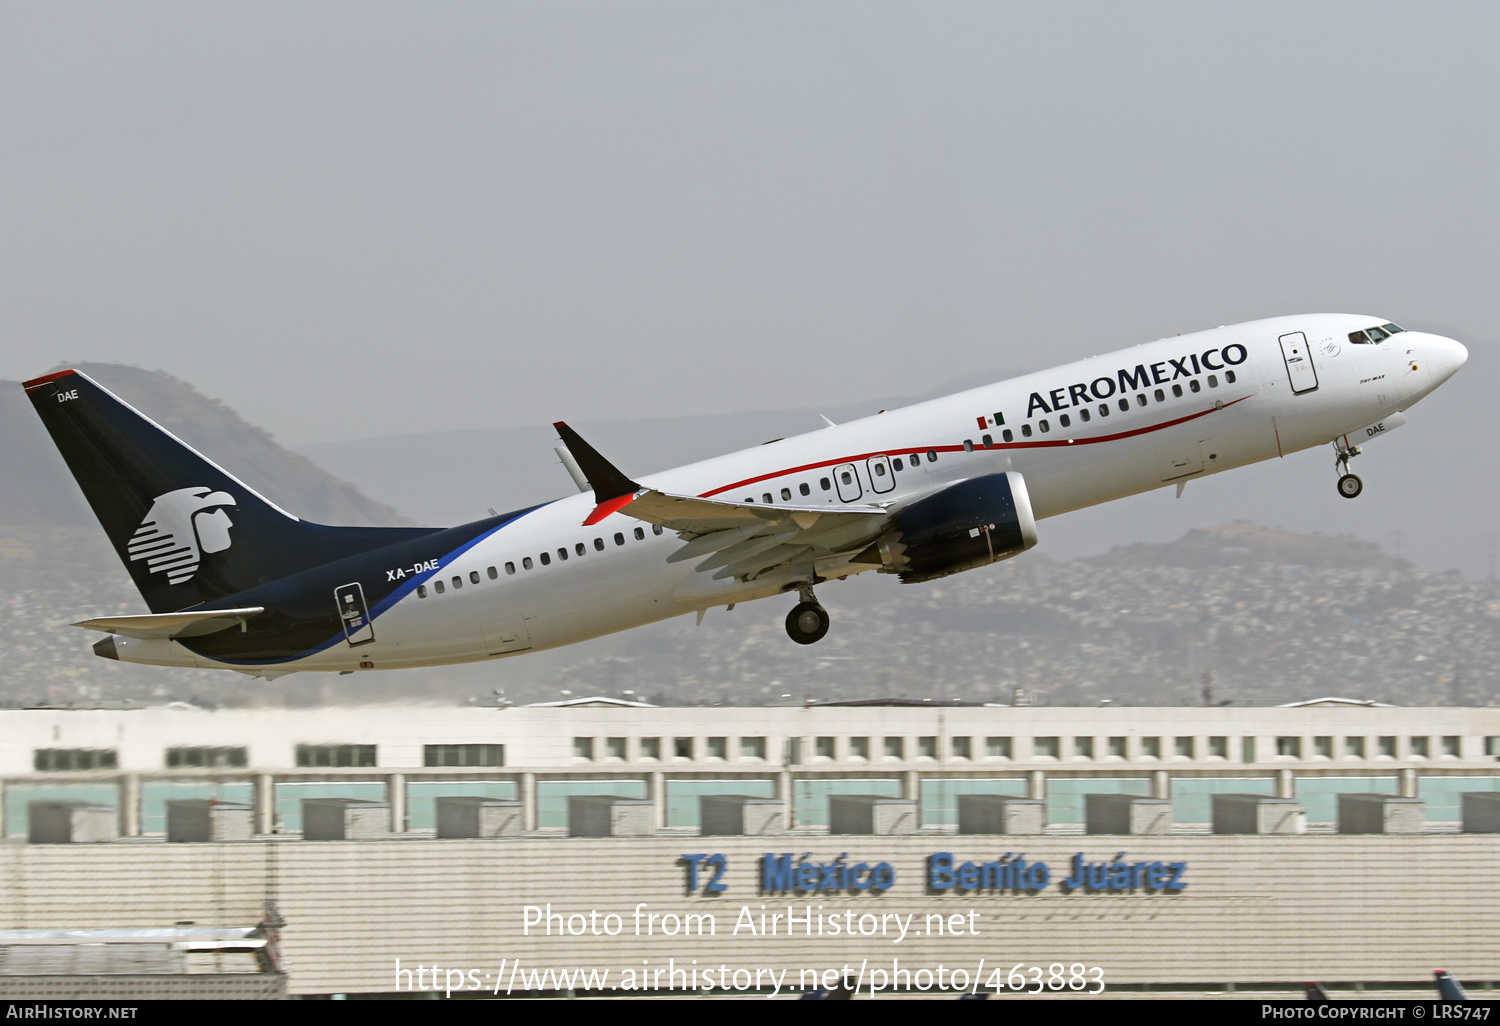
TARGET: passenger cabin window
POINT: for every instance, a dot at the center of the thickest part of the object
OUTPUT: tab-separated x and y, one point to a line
1008	435
807	491
1124	405
598	544
421	591
1213	381
1104	409
1064	421
824	483
766	497
656	529
510	567
931	455
1026	430
989	443
546	559
494	574
639	534
526	563
1084	414
474	576
1044	425
619	538
1229	376
562	554
1161	396
458	582
1140	400
437	586
580	548
1194	386
786	495
1177	391
968	445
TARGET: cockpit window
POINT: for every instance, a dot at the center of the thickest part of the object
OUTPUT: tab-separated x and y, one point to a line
1374	336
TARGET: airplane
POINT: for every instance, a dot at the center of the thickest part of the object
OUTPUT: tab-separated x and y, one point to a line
940	487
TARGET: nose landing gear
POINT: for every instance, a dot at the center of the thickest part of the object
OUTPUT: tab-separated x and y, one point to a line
1349	484
808	621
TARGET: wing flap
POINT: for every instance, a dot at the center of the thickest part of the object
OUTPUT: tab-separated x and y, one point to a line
172	625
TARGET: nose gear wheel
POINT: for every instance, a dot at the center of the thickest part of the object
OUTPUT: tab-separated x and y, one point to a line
1349	484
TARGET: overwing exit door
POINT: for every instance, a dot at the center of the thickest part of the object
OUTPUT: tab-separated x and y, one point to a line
1299	366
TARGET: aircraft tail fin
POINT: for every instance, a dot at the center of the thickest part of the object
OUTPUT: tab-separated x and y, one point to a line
1449	989
187	530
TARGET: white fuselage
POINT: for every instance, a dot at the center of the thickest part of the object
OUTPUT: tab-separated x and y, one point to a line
1192	405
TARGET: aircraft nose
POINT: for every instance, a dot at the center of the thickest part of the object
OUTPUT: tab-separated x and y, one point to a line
1444	357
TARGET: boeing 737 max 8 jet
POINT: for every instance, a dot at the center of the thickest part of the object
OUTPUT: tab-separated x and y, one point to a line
234	582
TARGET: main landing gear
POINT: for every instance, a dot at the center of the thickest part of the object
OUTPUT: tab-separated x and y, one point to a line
808	621
1349	485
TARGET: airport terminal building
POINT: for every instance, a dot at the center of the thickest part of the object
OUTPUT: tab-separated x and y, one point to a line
610	847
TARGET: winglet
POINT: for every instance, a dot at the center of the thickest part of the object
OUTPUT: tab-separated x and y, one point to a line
611	487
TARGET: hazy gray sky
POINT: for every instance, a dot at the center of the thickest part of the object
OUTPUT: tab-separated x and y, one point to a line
359	219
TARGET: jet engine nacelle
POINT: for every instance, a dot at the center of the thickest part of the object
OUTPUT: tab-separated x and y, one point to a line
982	520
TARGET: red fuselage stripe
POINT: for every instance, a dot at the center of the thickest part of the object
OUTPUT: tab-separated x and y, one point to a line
1037	444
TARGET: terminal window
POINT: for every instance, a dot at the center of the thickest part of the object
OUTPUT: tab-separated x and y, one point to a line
895	748
1150	748
1185	747
1046	747
335	755
1083	747
1492	746
583	748
53	759
682	747
997	747
1117	747
752	748
1247	749
1419	748
825	748
718	748
614	748
1387	747
1323	747
463	755
927	748
1289	746
1451	746
207	757
650	748
1354	747
962	748
1218	748
859	748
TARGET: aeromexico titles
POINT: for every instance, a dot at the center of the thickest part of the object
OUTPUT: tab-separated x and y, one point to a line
233	581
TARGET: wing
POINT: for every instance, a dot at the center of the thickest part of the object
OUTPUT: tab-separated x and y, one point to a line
734	539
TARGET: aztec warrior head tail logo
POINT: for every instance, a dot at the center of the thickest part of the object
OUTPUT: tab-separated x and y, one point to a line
179	528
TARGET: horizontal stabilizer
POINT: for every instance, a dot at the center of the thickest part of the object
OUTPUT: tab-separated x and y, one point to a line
172	625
